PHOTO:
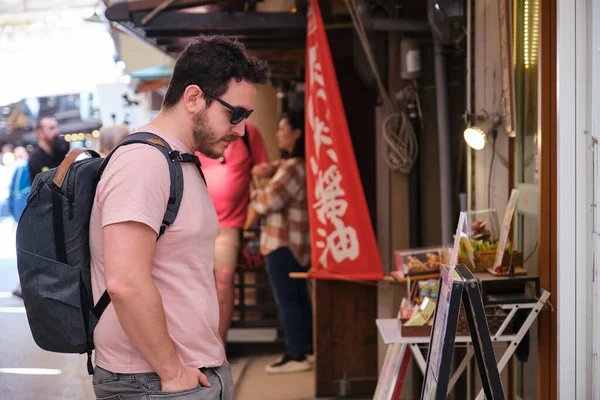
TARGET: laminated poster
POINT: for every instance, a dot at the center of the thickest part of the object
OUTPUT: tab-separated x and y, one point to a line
510	211
457	238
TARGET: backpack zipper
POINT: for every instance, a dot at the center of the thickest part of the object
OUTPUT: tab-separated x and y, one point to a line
70	209
32	199
71	187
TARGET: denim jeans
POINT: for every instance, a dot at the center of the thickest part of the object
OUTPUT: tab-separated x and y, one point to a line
112	386
293	302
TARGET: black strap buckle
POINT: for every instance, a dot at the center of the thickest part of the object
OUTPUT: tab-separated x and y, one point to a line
175	156
163	228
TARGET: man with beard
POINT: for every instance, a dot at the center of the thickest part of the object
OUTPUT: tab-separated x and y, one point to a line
51	150
159	336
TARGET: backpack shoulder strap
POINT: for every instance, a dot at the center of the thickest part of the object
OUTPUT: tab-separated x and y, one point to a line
174	158
175	171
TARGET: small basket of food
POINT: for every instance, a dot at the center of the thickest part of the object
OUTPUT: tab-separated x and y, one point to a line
416	262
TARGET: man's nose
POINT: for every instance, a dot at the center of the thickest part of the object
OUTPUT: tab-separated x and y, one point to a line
239	129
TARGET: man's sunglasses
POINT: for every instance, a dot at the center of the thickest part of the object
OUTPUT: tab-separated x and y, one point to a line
238	114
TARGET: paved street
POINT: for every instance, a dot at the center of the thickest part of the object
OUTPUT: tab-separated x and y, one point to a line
26	371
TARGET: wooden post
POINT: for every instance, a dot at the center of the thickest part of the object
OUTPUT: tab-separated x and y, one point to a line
547	346
345	335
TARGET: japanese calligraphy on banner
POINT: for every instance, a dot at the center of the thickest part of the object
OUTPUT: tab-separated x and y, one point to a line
342	239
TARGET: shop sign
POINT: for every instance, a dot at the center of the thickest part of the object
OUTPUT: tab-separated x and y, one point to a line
342	238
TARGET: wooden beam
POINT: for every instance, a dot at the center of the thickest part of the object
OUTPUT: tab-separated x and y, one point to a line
547	344
121	11
276	35
128	29
240	22
297	55
161	7
147	5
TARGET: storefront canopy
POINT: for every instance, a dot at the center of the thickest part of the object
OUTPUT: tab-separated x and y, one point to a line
155	72
278	33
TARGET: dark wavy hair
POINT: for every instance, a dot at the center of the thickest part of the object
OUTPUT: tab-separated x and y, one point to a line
296	121
211	62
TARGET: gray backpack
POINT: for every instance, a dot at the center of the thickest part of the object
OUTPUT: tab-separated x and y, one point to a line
53	253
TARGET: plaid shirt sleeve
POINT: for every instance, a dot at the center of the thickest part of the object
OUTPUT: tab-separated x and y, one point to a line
285	186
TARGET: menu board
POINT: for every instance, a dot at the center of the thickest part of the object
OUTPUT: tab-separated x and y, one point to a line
392	374
458	284
506	223
480	336
457	238
443	332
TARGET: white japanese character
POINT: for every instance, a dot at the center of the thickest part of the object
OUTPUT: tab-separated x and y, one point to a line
315	71
329	195
319	131
342	243
332	155
314	166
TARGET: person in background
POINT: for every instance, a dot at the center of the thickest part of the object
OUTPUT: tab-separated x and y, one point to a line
285	242
20	184
8	156
110	136
228	181
51	150
7	167
21	155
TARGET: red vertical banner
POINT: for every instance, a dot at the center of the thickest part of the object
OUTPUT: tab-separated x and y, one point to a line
343	243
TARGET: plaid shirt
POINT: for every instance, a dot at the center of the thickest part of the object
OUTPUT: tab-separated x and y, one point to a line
285	205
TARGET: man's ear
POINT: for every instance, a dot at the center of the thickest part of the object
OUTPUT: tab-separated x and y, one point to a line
193	98
296	133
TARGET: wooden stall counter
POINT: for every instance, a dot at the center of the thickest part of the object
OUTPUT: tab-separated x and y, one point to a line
345	336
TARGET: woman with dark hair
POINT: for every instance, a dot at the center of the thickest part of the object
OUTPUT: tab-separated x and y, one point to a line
285	242
295	122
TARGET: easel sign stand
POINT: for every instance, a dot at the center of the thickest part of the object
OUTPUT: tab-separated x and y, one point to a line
456	284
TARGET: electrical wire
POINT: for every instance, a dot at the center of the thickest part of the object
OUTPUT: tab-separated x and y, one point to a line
398	136
362	36
531	254
491	168
400	142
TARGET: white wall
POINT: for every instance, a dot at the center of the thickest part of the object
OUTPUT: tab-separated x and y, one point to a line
266	118
488	92
575	190
595	103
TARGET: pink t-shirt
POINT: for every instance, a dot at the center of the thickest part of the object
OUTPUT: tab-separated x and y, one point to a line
135	187
229	182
